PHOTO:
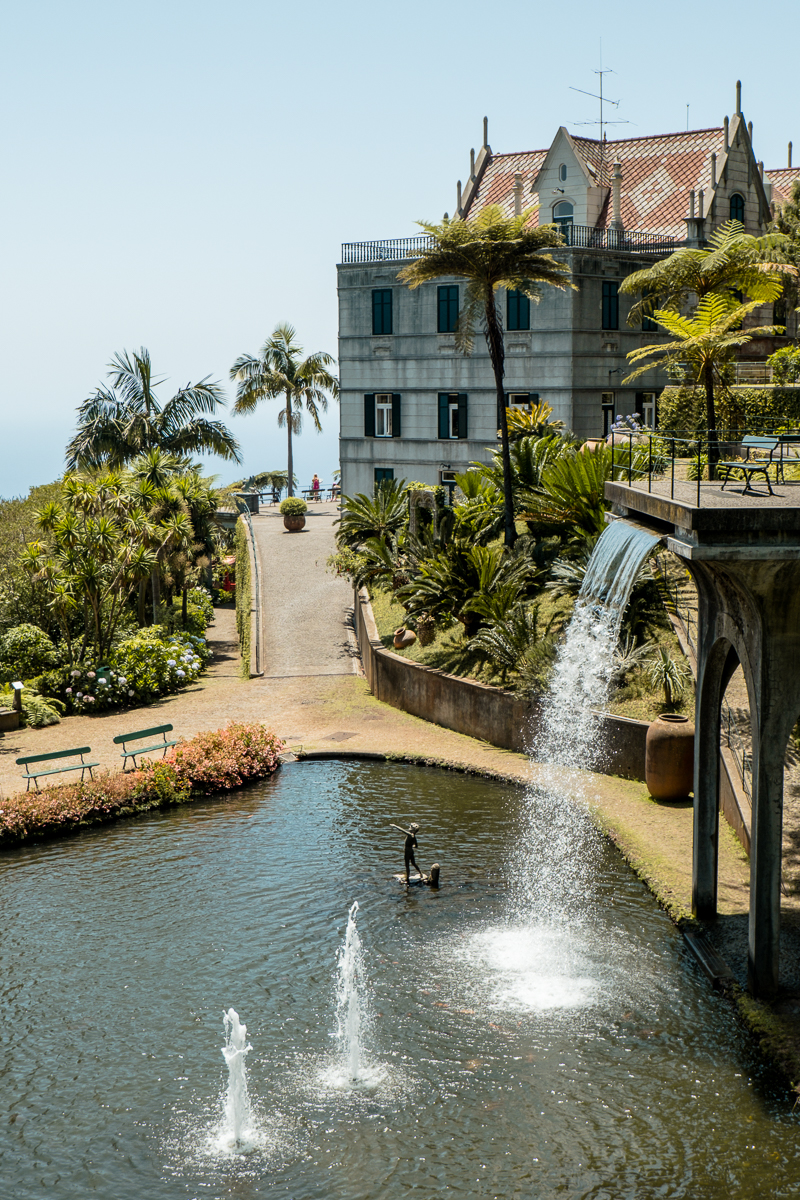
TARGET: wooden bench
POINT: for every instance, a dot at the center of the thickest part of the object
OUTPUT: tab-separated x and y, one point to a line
750	467
51	757
138	736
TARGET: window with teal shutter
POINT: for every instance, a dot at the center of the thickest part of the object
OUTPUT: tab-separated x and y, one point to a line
447	321
382	310
518	311
452	415
610	304
383	474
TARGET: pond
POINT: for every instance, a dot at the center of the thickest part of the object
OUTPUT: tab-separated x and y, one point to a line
537	1027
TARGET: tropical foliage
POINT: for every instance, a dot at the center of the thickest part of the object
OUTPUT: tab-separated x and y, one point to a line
491	252
119	422
279	371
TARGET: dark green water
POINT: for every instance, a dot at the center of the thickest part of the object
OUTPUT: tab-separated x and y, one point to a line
535	1041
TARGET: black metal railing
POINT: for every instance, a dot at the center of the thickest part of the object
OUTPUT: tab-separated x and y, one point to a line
581	236
643	458
587	238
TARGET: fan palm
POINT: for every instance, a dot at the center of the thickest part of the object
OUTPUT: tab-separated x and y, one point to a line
279	370
733	261
706	340
490	252
120	422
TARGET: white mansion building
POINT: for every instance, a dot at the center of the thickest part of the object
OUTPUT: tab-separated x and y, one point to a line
414	407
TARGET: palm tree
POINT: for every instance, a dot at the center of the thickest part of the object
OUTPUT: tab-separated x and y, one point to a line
280	370
118	423
706	340
490	252
733	262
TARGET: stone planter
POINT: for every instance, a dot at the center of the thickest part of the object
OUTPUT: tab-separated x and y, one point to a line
294	524
669	757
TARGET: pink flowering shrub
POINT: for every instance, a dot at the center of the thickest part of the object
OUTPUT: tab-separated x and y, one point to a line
209	762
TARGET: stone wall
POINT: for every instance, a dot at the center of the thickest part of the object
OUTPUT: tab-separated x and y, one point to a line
501	718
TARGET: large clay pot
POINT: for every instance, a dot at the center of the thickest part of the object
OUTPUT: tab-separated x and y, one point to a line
293	524
403	638
669	757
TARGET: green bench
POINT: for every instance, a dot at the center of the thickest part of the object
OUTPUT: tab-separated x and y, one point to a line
139	736
750	467
51	757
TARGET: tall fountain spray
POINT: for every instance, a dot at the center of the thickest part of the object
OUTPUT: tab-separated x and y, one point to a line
352	1012
237	1128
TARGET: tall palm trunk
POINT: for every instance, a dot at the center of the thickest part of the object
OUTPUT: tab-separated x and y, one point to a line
289	433
711	417
494	340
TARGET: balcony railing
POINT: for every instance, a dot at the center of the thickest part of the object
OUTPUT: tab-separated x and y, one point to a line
581	236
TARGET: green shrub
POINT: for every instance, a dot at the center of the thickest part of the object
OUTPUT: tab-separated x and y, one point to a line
36	710
148	665
25	650
785	365
293	506
682	410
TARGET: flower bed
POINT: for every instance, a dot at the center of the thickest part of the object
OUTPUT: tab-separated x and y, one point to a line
210	762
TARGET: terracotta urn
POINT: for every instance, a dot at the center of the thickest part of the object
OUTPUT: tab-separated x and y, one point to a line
403	638
669	757
292	523
591	444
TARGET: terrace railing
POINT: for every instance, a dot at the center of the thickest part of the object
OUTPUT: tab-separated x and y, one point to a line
580	236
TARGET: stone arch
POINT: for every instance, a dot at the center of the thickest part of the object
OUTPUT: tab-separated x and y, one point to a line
419	499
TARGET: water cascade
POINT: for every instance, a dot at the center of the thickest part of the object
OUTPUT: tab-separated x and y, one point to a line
237	1130
583	669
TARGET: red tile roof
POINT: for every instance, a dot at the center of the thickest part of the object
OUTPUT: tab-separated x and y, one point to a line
782	180
657	176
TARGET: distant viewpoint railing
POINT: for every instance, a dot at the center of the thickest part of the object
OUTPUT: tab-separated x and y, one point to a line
580	236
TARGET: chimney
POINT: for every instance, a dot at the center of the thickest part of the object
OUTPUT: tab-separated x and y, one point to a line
471	165
790	154
726	143
616	196
739	97
517	194
486	133
458	198
713	170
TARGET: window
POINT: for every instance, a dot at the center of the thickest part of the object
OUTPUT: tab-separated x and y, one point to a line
563	213
607	407
522	400
382	310
519	311
610	304
649	325
646	408
562	172
382	414
452	415
737	207
448	309
383	473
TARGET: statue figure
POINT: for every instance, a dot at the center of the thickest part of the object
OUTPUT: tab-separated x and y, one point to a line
411	842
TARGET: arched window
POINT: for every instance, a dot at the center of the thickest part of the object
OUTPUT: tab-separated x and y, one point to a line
562	213
737	207
562	172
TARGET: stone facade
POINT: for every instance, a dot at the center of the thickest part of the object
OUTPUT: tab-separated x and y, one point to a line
407	394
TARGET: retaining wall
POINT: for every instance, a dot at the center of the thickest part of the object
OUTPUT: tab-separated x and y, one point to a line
501	718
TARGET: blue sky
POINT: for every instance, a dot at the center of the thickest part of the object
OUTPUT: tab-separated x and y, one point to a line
181	175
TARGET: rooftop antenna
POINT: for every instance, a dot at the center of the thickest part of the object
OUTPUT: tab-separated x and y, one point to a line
687	118
602	122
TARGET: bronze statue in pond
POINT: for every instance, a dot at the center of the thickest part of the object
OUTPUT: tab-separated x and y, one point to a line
411	843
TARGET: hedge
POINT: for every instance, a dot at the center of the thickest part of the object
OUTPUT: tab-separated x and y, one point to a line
682	410
206	764
244	598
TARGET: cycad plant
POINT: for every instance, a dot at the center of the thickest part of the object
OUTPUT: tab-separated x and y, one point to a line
706	340
382	515
491	252
279	370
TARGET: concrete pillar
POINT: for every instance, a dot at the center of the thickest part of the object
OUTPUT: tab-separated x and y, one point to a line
705	854
763	951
